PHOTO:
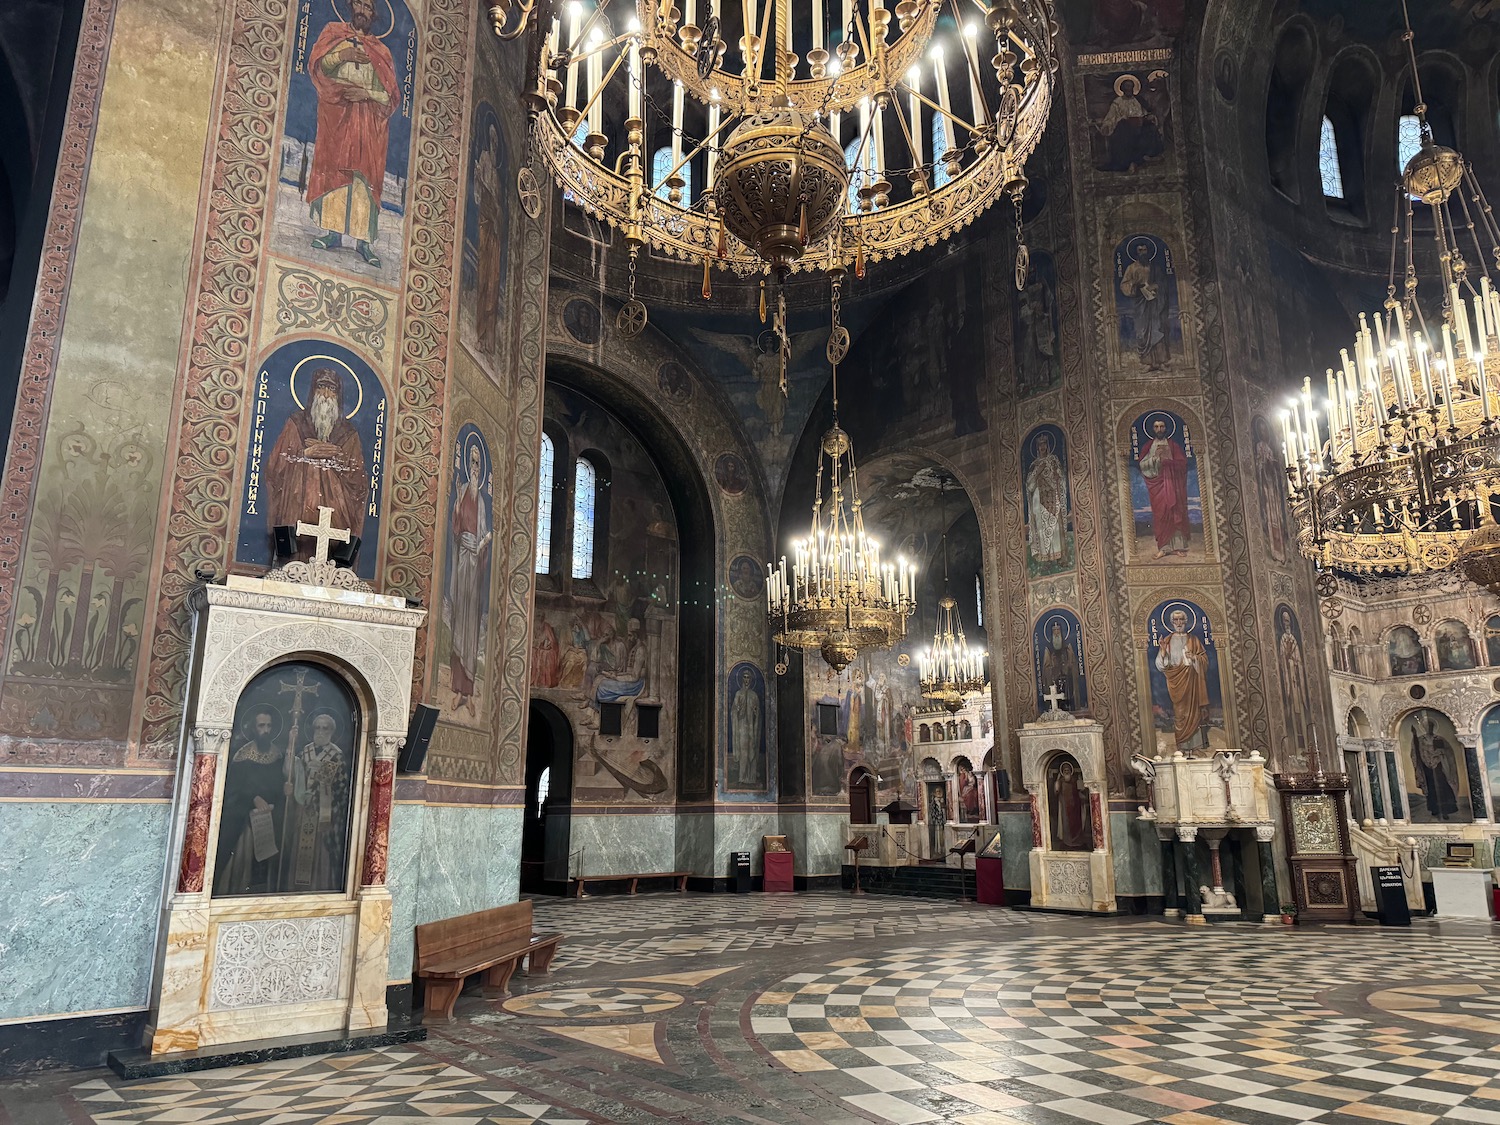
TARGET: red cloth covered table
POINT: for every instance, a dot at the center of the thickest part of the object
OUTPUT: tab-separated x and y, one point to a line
778	872
989	881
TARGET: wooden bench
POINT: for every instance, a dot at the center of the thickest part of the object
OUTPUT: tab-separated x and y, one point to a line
493	942
634	880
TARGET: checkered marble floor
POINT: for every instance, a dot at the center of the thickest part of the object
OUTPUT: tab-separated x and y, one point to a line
388	1087
705	1010
602	931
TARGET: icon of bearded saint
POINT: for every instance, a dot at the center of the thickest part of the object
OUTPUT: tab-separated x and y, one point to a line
318	460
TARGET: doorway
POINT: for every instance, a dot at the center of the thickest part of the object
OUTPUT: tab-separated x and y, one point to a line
546	822
861	796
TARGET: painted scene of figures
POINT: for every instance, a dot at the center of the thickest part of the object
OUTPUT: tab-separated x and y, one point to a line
486	263
866	716
1271	490
745	769
1035	329
1046	502
316	439
1182	657
1131	115
1489	741
1057	658
1297	726
1166	497
342	184
284	818
464	630
1432	766
1146	303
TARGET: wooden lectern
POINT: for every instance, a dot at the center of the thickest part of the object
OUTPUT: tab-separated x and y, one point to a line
961	850
857	845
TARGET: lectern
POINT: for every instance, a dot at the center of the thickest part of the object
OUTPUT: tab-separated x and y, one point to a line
857	845
961	850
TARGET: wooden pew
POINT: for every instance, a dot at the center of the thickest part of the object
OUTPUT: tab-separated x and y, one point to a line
493	942
680	877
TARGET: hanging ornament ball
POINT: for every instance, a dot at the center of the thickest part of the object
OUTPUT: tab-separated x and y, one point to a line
838	344
1326	585
1023	266
1433	173
838	652
1479	561
530	192
632	319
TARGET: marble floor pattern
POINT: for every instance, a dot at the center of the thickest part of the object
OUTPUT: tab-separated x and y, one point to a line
819	1008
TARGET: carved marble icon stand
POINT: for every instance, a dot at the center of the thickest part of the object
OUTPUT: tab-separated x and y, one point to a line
1081	880
1209	798
232	970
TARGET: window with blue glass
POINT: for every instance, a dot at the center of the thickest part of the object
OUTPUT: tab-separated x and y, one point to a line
544	509
661	168
1328	162
585	500
939	151
1408	140
851	155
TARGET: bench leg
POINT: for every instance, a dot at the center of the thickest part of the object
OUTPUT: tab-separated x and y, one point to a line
496	979
541	960
441	996
682	885
633	883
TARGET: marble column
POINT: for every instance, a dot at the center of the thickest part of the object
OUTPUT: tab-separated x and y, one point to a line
1096	816
1371	760
372	949
1170	905
1270	904
1187	844
1476	784
377	834
1036	820
193	870
1393	771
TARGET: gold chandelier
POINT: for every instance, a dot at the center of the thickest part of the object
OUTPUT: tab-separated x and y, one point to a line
950	671
1401	474
837	597
704	135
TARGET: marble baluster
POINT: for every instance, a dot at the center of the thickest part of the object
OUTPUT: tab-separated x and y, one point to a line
1270	897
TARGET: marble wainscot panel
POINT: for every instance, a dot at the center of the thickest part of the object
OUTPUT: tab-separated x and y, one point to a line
408	828
605	844
1015	845
86	878
823	853
695	841
1138	856
741	832
470	859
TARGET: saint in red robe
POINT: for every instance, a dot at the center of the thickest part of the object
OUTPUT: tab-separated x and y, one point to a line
305	473
1164	467
355	78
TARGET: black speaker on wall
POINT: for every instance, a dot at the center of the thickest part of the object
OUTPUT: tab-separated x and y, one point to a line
285	535
418	735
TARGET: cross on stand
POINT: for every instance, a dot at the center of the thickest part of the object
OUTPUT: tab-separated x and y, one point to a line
324	532
1053	695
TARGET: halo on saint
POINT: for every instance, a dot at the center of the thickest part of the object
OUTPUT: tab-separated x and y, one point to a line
390	10
1147	419
1140	240
1124	78
474	441
254	709
1165	615
359	398
1036	441
1067	626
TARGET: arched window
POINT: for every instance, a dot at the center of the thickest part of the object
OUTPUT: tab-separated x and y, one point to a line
543	786
661	168
1408	140
939	151
1328	162
978	601
856	180
544	508
585	498
1356	656
1405	652
965	729
1492	648
924	733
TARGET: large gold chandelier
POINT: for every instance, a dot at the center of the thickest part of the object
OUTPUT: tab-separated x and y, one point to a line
950	671
1401	475
702	133
838	597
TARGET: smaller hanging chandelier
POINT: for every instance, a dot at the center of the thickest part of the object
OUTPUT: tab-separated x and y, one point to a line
838	598
951	672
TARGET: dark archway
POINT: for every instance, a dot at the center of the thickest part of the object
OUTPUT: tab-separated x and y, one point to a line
546	823
861	796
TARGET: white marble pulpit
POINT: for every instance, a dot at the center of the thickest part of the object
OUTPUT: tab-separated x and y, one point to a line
1462	892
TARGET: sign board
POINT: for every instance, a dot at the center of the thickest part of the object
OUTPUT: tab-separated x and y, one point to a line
1390	896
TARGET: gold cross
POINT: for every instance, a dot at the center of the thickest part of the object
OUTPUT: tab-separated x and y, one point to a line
323	531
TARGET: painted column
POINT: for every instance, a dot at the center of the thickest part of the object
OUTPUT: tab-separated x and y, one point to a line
207	743
377	834
1270	904
1187	843
1476	784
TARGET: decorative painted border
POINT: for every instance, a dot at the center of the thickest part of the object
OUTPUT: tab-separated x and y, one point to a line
49	308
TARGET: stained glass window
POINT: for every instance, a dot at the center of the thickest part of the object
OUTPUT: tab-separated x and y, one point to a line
852	154
544	509
1328	162
661	168
1408	140
585	489
939	151
978	602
